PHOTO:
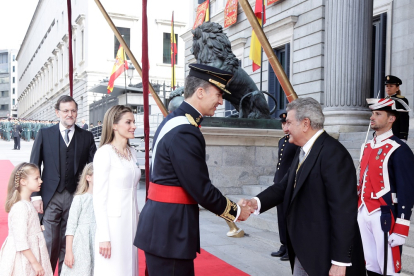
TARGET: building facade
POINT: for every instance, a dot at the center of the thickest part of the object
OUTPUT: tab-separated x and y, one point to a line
43	56
337	52
8	83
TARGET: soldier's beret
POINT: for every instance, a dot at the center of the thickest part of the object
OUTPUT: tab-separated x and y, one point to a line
213	75
390	79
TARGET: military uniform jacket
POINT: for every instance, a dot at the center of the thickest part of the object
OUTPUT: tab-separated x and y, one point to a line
387	178
401	125
172	230
286	154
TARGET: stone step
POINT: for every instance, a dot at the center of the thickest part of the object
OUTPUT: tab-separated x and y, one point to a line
253	189
266	180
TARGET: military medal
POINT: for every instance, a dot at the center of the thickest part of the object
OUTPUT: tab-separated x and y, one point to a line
378	154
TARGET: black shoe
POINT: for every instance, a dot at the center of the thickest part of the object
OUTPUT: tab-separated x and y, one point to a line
280	253
285	257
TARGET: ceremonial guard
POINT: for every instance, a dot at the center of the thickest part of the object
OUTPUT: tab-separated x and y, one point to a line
385	191
402	122
168	230
286	154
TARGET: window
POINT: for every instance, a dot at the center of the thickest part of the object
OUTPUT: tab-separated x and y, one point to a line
14	69
166	52
3	58
283	55
4	80
136	109
379	39
14	91
125	32
14	80
14	102
4	94
14	57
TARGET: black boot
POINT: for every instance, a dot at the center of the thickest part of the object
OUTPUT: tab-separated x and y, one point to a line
280	253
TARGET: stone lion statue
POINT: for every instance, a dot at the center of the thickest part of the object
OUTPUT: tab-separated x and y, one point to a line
212	47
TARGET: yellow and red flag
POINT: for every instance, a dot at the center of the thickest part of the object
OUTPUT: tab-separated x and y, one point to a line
255	46
120	66
173	54
203	13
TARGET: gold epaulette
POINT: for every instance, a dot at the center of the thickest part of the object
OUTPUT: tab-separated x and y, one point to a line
226	214
400	96
191	120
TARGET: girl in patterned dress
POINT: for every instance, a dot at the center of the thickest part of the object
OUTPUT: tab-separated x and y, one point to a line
80	230
24	251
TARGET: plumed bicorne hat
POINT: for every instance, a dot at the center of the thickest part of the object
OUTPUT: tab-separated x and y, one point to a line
387	105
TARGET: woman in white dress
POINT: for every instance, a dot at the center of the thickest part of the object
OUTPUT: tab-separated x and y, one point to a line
115	177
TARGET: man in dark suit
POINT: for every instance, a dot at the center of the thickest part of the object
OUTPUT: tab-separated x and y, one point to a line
168	230
16	133
286	154
319	198
63	150
84	125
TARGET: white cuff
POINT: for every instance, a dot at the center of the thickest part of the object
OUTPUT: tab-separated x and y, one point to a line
259	205
341	264
238	213
35	198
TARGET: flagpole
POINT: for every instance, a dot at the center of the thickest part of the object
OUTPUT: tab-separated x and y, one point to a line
131	56
273	61
173	55
261	50
70	48
125	73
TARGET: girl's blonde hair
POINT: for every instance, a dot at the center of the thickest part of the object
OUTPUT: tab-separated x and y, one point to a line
20	172
83	184
112	116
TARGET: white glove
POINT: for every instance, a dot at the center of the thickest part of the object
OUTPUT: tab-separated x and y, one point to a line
396	240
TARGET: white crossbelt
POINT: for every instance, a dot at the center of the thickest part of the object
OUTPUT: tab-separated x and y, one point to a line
171	124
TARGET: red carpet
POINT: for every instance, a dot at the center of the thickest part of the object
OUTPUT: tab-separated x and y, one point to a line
205	264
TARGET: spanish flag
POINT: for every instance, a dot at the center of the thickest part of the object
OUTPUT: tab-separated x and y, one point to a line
173	54
120	66
255	46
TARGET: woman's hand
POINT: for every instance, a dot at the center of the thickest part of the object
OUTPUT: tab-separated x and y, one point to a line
105	249
38	269
69	259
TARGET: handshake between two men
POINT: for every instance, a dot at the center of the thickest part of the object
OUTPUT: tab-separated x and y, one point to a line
247	207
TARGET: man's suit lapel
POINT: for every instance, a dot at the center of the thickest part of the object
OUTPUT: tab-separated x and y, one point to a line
308	164
77	139
53	142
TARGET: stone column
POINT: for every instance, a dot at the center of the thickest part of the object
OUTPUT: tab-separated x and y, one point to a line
348	40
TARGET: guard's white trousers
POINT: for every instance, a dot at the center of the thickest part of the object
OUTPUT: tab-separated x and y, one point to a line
373	242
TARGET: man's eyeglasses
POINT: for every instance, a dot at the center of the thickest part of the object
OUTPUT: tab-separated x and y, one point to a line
74	111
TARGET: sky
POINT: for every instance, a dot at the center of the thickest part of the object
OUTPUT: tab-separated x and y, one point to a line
14	21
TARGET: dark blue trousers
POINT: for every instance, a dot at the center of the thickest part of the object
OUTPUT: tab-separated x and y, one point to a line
160	266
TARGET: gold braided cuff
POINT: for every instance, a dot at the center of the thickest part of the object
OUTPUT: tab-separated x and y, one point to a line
230	211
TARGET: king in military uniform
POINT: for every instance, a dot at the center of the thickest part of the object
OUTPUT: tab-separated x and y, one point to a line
385	189
402	121
286	154
168	230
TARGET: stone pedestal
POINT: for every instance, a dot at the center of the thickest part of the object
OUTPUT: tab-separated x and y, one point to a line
348	36
239	156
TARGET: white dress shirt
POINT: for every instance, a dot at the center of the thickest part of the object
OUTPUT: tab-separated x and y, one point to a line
62	129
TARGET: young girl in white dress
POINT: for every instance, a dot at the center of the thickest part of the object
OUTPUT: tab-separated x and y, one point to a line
24	251
80	230
115	195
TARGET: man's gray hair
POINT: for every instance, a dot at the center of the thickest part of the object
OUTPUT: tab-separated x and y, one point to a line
308	108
